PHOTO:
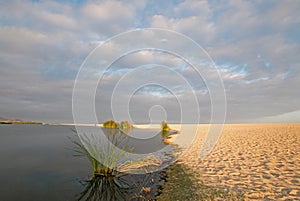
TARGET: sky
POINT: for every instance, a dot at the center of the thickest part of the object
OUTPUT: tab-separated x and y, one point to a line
255	47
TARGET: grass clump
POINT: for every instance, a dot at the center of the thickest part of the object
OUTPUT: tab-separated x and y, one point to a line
107	159
111	124
125	126
103	157
165	127
183	184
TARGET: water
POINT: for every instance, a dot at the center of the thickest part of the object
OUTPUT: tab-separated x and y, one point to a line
37	163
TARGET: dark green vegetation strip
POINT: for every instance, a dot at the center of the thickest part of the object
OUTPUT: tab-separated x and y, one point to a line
183	184
21	122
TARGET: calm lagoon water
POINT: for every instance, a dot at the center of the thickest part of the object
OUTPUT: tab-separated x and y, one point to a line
37	163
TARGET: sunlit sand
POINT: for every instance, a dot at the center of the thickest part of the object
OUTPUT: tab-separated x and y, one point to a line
260	160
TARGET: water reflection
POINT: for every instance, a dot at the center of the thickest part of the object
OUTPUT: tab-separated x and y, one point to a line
44	169
125	187
103	188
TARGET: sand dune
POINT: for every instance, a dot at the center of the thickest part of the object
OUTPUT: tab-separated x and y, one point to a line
260	160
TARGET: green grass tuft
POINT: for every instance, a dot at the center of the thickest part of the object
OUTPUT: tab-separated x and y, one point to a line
164	126
103	158
111	124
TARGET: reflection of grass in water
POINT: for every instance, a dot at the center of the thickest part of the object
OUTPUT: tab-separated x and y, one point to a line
183	184
104	188
125	187
103	157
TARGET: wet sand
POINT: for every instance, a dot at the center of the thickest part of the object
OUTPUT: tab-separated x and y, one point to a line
262	161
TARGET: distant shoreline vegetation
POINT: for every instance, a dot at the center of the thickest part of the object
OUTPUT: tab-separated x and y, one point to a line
123	125
18	122
126	125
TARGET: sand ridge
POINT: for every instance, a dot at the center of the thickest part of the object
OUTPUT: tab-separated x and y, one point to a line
260	160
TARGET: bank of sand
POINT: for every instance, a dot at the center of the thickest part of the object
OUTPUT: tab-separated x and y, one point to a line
260	160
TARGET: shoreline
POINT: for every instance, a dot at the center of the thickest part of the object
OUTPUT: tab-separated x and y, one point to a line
154	126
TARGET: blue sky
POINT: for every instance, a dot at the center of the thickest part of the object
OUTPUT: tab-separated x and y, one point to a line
254	44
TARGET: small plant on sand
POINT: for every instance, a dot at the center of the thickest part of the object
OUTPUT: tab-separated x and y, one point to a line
125	126
111	124
165	127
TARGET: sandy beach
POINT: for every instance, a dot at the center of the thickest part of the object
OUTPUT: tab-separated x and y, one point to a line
262	161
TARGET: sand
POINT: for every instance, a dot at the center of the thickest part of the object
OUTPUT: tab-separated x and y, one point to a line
262	161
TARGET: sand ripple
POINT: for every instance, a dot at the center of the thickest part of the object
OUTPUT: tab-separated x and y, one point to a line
260	160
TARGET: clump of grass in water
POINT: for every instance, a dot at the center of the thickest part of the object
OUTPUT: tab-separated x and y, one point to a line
109	154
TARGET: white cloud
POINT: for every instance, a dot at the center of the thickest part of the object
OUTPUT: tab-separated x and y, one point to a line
58	20
193	8
285	117
20	40
193	26
110	17
109	10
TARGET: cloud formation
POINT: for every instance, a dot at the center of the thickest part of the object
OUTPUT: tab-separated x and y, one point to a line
254	44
